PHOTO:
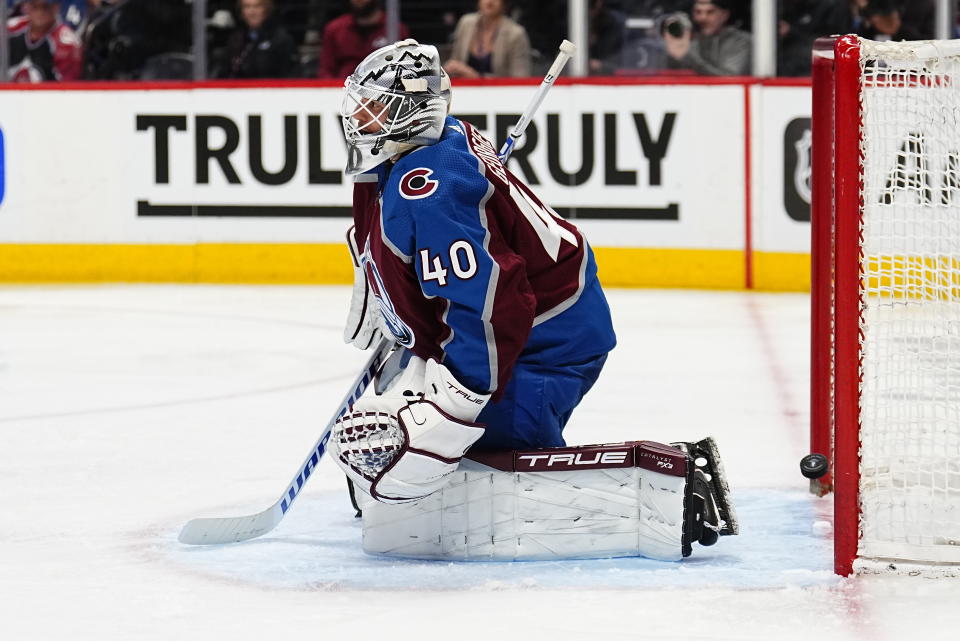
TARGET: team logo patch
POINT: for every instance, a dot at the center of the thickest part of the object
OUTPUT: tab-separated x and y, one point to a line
400	330
416	184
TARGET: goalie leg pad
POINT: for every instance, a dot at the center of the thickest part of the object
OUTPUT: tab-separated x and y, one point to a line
627	499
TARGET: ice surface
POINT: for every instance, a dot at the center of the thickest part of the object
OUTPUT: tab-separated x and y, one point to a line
127	410
320	549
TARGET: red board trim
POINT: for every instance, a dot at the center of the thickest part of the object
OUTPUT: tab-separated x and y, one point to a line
310	83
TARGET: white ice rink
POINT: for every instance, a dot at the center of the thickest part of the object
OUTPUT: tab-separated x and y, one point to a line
127	410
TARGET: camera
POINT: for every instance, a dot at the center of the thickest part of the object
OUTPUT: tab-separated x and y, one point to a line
676	24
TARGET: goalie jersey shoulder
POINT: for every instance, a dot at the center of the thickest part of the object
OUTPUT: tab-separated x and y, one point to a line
430	182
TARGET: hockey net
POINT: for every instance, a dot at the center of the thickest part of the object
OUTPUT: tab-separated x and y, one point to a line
885	387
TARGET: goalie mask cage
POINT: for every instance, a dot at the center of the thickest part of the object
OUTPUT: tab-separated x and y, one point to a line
885	358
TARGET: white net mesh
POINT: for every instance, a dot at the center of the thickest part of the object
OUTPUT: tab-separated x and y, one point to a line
910	394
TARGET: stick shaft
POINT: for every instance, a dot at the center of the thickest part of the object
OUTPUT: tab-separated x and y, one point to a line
209	531
566	50
363	381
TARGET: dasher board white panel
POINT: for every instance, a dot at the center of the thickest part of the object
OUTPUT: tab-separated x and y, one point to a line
663	166
781	162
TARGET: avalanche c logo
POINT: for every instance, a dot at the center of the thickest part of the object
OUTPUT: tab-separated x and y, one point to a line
415	184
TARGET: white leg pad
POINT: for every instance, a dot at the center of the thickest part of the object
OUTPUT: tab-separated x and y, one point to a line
586	502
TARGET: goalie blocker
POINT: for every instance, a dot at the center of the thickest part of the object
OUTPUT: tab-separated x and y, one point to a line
638	498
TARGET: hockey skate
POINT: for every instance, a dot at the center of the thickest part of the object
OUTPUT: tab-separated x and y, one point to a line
710	513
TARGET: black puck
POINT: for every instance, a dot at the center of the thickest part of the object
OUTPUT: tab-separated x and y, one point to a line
813	466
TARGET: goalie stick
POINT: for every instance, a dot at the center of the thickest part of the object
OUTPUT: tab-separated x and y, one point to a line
567	49
211	531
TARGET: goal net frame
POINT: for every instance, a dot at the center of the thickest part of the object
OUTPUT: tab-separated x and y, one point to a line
846	289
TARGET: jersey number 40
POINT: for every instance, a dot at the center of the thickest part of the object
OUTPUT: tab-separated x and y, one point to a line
463	261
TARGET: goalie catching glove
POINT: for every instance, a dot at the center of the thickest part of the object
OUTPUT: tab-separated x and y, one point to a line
404	443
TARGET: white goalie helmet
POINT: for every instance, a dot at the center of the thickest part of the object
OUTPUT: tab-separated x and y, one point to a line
395	100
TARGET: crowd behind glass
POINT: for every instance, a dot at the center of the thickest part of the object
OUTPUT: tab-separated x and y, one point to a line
152	39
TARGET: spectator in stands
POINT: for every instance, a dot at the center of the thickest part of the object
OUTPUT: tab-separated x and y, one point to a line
607	29
132	34
347	40
73	12
489	43
839	16
898	19
316	19
434	21
42	47
545	34
94	10
222	22
259	47
716	49
654	8
796	33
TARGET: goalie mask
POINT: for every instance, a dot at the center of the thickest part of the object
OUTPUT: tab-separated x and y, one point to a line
395	100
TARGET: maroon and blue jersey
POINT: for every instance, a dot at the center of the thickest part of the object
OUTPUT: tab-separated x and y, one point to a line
57	55
471	268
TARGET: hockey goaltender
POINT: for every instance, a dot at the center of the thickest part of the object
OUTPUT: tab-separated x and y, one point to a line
501	326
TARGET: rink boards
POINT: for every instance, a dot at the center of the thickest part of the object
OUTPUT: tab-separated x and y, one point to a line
677	183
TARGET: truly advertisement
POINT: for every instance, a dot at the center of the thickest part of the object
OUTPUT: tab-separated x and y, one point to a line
637	165
254	164
592	153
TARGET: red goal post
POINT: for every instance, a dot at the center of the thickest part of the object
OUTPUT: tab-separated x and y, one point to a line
885	315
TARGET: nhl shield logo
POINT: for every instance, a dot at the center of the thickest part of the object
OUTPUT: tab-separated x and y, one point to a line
797	169
802	168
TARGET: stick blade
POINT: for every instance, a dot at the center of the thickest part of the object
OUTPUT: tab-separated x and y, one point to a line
214	531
